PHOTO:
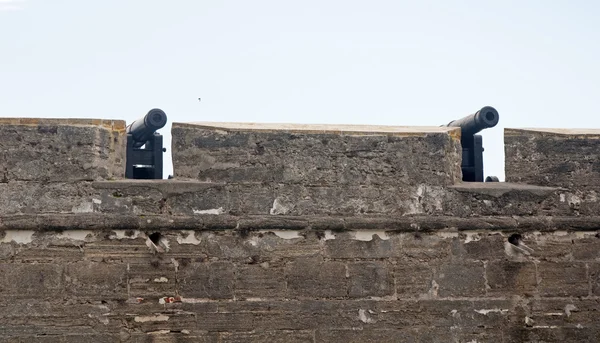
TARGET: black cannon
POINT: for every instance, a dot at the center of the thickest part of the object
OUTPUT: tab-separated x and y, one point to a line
145	146
472	144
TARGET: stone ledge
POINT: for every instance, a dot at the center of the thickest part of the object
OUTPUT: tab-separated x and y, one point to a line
498	189
188	198
49	222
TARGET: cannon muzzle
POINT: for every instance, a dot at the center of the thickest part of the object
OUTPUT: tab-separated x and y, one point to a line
485	118
142	129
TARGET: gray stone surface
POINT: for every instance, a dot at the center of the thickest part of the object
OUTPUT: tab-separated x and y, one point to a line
280	282
61	150
316	155
553	157
183	198
303	234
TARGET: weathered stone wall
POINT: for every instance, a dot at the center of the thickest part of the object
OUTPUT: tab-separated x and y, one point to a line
291	233
370	283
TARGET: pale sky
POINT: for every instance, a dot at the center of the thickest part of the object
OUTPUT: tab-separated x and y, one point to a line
386	62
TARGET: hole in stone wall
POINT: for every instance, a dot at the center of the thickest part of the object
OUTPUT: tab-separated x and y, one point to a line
155	237
515	239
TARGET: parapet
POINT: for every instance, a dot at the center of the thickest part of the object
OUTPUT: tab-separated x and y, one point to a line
567	158
61	150
241	169
317	155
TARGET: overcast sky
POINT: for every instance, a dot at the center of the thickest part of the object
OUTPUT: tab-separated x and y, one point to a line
387	62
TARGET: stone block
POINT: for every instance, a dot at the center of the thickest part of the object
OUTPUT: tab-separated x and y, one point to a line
511	278
154	279
173	337
120	247
553	334
460	334
413	313
414	279
312	277
286	314
97	280
370	279
553	157
425	246
280	336
587	248
163	322
41	280
48	254
35	197
461	279
557	247
61	150
260	281
37	339
563	279
346	245
294	199
316	155
479	246
594	271
283	244
214	280
503	198
130	196
366	336
227	245
99	338
565	312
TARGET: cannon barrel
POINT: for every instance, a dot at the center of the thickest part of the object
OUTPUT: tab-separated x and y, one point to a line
142	129
483	119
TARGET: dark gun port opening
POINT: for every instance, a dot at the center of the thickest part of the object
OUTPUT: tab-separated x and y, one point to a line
145	146
472	143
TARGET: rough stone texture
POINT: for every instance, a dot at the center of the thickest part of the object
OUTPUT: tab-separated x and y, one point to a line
553	157
316	155
310	169
109	285
301	235
61	150
183	198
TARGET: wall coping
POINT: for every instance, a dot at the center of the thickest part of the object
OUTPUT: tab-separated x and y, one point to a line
112	124
556	131
340	129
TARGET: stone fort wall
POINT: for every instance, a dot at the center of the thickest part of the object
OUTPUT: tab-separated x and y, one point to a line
296	233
